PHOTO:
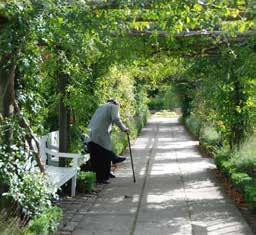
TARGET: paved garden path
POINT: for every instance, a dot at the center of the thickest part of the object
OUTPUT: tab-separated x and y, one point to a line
175	192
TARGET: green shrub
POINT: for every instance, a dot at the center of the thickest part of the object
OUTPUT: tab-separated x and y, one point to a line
156	103
222	154
244	163
164	98
245	157
86	181
227	167
193	125
86	176
119	139
28	189
222	160
45	223
226	162
209	136
241	180
140	121
250	195
31	191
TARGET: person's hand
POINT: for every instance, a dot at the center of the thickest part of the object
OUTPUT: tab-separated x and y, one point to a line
127	130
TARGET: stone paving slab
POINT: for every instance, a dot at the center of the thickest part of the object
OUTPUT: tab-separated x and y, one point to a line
119	204
95	223
167	186
162	215
175	192
165	226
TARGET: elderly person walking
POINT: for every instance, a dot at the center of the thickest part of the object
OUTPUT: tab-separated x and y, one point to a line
99	145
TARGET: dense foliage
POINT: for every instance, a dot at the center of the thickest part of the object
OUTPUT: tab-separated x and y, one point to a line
59	60
222	111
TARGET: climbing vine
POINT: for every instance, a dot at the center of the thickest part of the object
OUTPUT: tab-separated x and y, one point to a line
60	59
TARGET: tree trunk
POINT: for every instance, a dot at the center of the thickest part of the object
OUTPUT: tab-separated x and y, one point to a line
64	115
238	127
7	96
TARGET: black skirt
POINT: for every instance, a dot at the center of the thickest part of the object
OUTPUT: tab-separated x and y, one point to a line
100	161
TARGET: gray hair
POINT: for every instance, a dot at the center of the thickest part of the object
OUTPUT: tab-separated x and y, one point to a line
112	101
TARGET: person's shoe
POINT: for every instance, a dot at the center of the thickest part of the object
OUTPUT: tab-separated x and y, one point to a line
112	175
105	182
102	182
118	160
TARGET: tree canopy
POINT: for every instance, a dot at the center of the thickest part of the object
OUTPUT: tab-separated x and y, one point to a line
60	59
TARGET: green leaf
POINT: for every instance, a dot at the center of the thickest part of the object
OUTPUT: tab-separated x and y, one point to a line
198	8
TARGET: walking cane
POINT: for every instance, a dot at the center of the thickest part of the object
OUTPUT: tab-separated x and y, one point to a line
129	143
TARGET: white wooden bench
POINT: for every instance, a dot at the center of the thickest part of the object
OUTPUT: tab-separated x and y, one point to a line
58	176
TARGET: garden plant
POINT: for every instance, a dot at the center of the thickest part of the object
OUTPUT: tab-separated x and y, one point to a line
59	60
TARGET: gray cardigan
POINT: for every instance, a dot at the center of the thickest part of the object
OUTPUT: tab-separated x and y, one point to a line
101	124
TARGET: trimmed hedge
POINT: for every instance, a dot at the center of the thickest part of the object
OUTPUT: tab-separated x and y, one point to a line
193	125
240	179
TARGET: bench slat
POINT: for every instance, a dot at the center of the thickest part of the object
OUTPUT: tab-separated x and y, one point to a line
59	175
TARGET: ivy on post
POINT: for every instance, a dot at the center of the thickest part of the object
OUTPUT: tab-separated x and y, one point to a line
7	97
64	116
7	77
239	124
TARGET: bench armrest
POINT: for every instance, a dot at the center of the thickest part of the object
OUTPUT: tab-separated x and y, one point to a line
49	146
74	156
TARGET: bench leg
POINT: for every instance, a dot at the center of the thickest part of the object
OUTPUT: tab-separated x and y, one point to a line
73	186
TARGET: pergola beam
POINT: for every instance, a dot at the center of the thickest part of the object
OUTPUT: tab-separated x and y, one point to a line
149	4
115	4
192	34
